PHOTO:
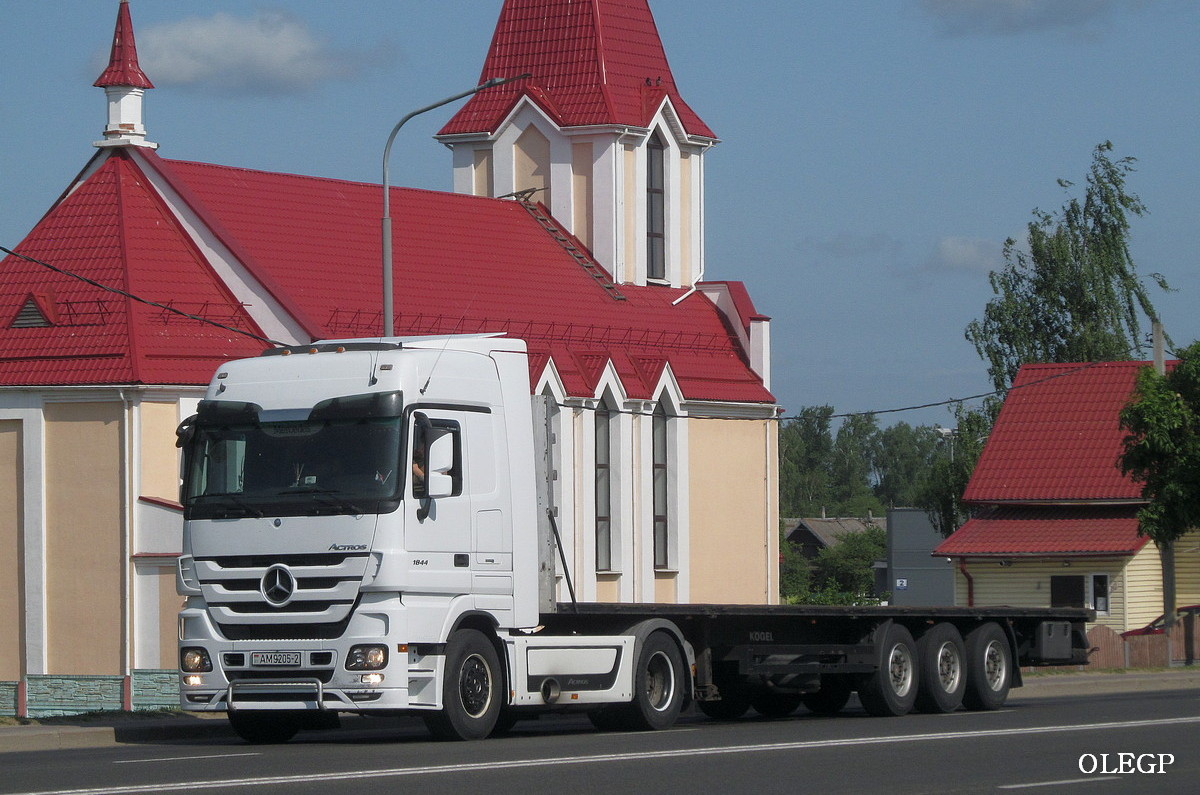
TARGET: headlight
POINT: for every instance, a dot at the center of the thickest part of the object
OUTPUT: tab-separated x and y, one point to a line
194	660
366	658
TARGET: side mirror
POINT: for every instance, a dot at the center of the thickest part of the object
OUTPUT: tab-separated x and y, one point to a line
438	480
186	431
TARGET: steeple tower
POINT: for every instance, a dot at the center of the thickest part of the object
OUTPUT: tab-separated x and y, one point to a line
600	132
124	84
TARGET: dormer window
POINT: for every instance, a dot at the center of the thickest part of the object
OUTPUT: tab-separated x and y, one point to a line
656	208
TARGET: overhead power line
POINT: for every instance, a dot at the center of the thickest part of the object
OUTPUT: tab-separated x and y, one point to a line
139	299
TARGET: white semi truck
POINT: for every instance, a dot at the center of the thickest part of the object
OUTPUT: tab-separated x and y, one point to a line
368	529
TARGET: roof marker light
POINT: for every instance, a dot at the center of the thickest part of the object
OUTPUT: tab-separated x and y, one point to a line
312	350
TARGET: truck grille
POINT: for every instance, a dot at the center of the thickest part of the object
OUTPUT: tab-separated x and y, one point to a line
269	597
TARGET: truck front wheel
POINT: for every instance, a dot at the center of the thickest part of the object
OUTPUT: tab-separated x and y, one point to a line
472	685
892	689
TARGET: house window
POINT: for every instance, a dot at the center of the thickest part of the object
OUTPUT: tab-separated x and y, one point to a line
603	467
656	208
661	517
1099	595
1067	591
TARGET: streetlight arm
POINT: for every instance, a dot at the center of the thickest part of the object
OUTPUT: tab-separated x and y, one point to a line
388	322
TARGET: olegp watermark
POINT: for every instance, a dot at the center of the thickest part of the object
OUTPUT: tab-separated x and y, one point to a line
1125	763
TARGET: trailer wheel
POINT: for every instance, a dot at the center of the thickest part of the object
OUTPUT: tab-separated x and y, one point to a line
943	669
892	689
830	699
989	668
775	705
471	689
264	727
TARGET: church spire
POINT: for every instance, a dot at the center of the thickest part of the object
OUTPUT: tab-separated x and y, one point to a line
124	84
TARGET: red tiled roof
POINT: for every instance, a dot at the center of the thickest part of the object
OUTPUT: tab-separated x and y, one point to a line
1011	531
114	230
592	61
123	69
463	264
1058	437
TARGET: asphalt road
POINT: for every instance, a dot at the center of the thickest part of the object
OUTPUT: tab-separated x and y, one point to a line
1051	737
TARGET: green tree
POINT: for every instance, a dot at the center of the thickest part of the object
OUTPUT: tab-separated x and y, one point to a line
844	573
850	465
940	494
805	445
1075	295
793	572
1162	452
903	457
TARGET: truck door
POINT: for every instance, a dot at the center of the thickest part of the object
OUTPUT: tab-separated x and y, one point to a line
437	504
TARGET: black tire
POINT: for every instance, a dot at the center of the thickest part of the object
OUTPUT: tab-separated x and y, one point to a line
891	690
659	685
830	699
943	661
472	689
264	727
775	705
734	701
989	668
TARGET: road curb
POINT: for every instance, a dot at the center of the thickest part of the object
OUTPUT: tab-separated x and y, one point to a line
42	737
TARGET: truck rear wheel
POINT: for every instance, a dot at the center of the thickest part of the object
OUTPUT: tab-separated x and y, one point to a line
659	685
892	689
943	664
264	727
472	684
989	668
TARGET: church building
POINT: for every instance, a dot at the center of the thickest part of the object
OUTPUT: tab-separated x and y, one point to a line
576	224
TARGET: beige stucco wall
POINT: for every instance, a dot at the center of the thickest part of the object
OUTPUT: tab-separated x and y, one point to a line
84	544
11	551
734	511
169	604
582	192
159	457
531	164
482	173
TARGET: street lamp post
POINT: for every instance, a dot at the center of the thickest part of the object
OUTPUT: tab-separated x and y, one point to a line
388	321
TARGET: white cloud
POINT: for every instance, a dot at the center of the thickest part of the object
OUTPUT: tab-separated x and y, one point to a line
270	53
853	246
965	255
1008	17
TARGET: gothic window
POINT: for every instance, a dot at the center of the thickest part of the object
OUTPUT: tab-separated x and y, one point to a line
656	208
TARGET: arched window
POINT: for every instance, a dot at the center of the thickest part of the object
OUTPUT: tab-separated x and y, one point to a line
662	519
656	207
604	490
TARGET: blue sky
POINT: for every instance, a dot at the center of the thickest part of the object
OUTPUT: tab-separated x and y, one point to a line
875	155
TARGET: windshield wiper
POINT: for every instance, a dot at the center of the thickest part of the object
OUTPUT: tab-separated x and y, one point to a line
238	502
325	497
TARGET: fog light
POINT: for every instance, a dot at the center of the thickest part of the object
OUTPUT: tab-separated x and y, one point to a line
372	679
191	680
194	659
366	658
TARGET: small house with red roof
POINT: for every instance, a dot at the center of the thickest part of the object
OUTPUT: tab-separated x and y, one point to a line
149	272
1055	520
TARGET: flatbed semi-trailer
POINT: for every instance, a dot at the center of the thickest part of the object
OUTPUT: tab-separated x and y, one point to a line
368	528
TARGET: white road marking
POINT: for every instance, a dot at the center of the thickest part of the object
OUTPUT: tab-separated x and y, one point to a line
360	775
177	758
1058	783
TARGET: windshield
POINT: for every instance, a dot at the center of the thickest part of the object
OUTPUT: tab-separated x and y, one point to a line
241	463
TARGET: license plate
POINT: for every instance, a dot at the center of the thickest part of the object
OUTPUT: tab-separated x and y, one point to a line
275	658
